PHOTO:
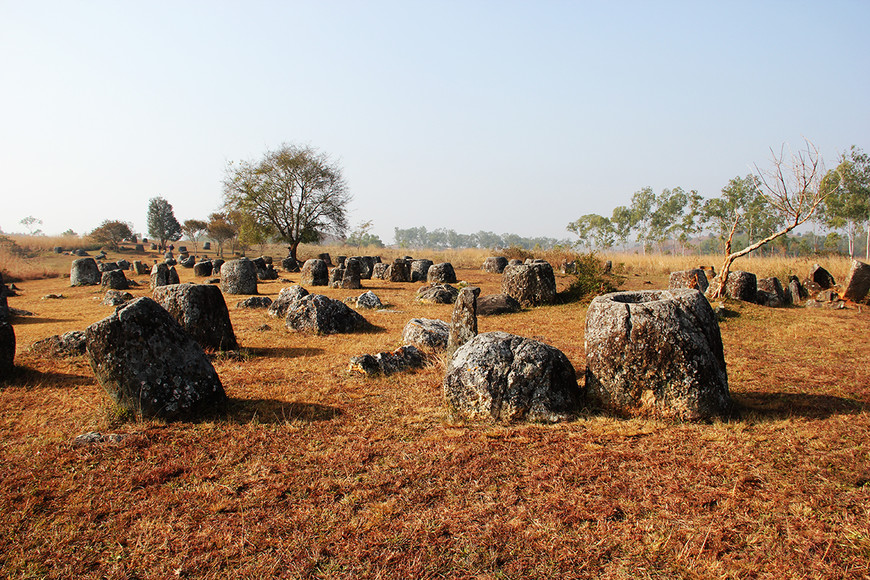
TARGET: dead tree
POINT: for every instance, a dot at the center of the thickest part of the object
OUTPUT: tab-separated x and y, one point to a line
792	187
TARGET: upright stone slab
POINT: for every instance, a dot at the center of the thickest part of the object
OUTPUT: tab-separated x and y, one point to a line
314	273
822	277
656	352
7	350
84	272
463	323
857	282
201	310
773	293
139	268
159	275
150	365
239	277
696	279
530	284
507	378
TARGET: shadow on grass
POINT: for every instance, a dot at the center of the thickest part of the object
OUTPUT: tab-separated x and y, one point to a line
22	320
774	406
276	352
272	411
29	378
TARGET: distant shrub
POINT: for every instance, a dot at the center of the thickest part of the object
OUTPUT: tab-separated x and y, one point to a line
517	253
589	279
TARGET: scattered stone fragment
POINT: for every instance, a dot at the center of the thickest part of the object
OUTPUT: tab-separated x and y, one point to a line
62	345
255	302
495	304
150	365
503	377
320	314
696	279
438	294
116	297
369	300
95	437
426	334
53	297
657	352
286	298
387	363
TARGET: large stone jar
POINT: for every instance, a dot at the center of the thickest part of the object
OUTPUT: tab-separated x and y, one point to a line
656	352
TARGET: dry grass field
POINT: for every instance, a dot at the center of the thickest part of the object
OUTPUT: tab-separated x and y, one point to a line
317	473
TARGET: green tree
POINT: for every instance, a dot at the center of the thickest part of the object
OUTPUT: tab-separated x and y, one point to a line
847	206
622	224
792	188
111	233
193	230
361	236
220	230
162	225
294	189
642	204
31	224
593	231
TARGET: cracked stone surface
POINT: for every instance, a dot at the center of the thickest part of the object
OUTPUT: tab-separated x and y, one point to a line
502	377
150	365
656	352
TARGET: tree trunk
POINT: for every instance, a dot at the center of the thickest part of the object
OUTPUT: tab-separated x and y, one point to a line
293	247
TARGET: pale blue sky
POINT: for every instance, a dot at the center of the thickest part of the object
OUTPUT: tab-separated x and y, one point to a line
503	116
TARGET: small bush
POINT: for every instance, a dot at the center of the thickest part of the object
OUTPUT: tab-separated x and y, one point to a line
589	279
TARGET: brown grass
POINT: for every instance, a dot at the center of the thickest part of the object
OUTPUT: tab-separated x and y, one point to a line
315	473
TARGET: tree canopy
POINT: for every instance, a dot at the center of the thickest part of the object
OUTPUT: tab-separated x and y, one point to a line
294	190
162	225
111	233
847	205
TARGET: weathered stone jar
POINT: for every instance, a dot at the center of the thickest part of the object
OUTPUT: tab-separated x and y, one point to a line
656	352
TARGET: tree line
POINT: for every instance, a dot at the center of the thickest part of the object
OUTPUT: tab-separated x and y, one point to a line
420	237
745	210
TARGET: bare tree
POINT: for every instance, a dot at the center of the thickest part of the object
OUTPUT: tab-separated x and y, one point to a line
792	187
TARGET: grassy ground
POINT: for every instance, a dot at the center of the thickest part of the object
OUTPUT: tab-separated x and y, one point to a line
317	473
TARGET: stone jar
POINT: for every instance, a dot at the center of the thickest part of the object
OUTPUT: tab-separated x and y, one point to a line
656	352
